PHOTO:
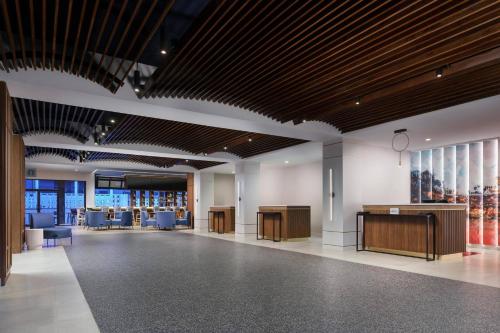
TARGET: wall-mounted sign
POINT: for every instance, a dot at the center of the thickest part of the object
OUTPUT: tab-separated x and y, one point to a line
394	211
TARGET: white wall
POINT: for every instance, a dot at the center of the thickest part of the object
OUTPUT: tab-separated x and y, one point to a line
370	175
206	199
299	184
70	175
223	190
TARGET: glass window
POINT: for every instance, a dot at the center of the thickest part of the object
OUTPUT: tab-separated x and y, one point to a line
74	198
112	198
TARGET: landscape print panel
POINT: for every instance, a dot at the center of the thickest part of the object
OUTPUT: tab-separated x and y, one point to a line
415	176
426	175
490	192
462	179
449	174
475	192
437	174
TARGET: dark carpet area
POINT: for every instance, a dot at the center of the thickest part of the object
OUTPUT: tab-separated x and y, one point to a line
174	282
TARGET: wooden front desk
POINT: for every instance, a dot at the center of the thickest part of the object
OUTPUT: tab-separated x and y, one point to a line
295	221
227	214
405	235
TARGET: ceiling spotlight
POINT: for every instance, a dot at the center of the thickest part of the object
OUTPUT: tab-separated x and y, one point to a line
95	143
286	162
205	154
187	161
103	134
358	101
112	121
163	42
428	139
249	139
225	148
304	121
439	73
137	79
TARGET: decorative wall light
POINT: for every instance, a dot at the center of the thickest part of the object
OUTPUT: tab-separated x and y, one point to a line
400	142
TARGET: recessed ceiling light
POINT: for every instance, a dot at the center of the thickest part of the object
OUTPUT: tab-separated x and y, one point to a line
358	101
249	139
95	143
428	139
225	148
103	134
439	73
112	121
187	161
163	52
286	162
304	121
205	154
136	89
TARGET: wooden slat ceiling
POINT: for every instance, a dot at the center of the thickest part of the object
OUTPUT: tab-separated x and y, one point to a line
37	117
98	40
87	156
311	59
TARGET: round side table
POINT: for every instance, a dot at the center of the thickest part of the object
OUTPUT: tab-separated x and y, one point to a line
34	239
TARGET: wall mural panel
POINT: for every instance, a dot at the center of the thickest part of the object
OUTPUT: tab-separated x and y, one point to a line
464	174
437	174
449	172
490	192
415	176
426	175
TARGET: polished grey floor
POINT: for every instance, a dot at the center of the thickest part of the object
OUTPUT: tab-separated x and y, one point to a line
170	281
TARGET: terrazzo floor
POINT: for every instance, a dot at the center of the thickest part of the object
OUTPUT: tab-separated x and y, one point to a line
179	282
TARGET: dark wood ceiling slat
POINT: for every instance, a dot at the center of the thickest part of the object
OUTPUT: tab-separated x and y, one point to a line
77	38
21	34
89	33
66	34
123	36
44	31
33	35
54	38
10	35
99	36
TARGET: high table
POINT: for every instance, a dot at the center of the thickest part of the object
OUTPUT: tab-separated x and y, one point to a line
278	222
221	219
414	230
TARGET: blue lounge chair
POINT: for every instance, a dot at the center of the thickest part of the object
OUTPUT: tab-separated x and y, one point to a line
125	220
165	220
186	220
146	221
96	220
50	231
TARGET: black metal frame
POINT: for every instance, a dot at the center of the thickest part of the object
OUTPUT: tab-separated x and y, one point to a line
273	214
218	215
429	218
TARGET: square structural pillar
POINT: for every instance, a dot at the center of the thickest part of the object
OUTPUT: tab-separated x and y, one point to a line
337	230
247	198
203	198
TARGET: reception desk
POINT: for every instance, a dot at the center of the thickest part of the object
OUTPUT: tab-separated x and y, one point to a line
221	219
406	229
287	222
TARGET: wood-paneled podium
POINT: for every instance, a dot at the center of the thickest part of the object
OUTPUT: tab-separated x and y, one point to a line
414	230
277	222
221	219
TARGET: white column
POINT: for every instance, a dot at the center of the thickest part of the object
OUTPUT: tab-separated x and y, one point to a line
336	230
246	196
204	198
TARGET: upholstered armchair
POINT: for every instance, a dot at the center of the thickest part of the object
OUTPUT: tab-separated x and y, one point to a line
125	220
165	220
96	220
146	221
186	220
